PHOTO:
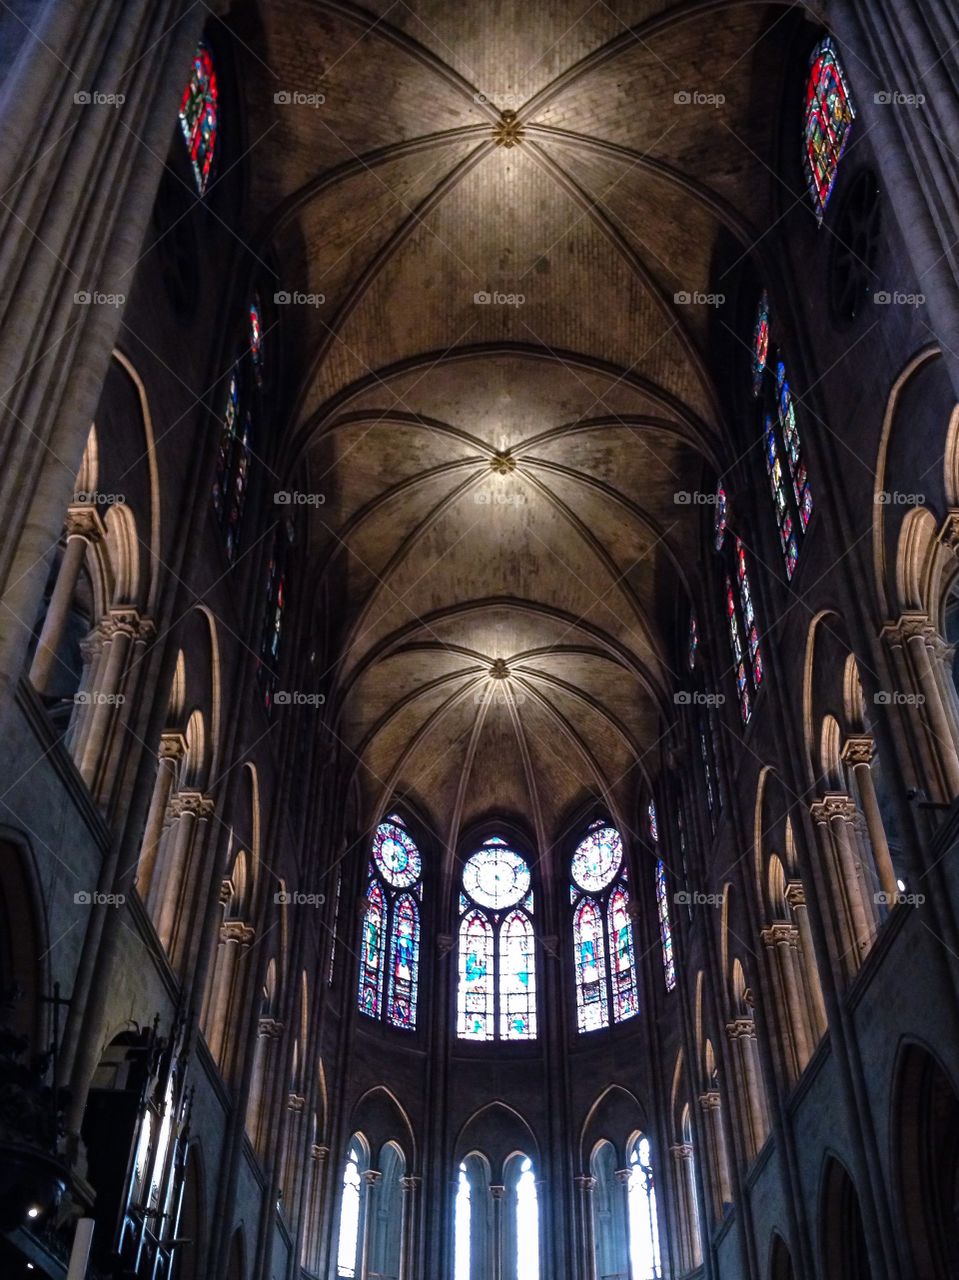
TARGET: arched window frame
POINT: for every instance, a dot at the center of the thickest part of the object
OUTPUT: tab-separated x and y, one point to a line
274	610
603	985
199	116
827	122
388	986
350	1212
484	996
644	1246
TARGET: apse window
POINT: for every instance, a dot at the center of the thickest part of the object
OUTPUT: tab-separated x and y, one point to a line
390	932
199	116
827	124
604	959
496	998
662	904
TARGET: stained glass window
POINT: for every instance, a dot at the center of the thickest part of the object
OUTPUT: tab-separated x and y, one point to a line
604	961
662	903
589	958
517	978
643	1222
232	467
794	452
787	536
827	123
268	662
719	518
761	344
394	886
497	958
198	116
749	616
256	342
693	643
735	643
372	952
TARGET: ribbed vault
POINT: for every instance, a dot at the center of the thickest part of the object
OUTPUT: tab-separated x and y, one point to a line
499	526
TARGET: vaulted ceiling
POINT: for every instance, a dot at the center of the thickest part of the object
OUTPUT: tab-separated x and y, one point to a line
500	534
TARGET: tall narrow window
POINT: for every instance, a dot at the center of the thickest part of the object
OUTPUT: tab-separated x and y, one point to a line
391	922
232	464
497	963
348	1246
693	644
268	664
463	1222
199	116
527	1224
643	1225
827	123
604	961
749	616
794	451
739	609
761	344
662	904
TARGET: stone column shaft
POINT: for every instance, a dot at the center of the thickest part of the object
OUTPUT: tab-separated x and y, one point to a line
51	633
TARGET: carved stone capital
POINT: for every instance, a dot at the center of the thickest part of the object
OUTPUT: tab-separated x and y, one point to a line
319	1153
172	747
120	622
681	1151
497	1192
237	931
780	934
741	1029
444	943
858	750
710	1101
295	1102
795	894
622	1176
371	1177
410	1182
191	802
949	532
269	1028
585	1182
834	804
908	626
84	522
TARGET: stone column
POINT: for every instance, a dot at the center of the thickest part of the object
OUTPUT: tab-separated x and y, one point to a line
310	1228
586	1185
268	1031
834	816
83	528
742	1037
187	810
857	754
622	1177
781	940
711	1106
370	1179
685	1177
171	751
796	900
236	937
410	1188
498	1194
119	629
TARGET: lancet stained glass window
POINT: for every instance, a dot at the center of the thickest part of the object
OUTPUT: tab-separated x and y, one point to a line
794	452
719	518
827	123
693	643
232	466
496	996
761	344
199	116
394	891
749	616
662	904
604	961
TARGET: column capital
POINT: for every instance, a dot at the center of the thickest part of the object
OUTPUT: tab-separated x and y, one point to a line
84	522
172	747
682	1151
741	1029
623	1176
319	1153
585	1182
122	622
410	1182
795	894
191	802
949	532
710	1100
295	1102
908	626
780	933
497	1192
371	1177
859	749
237	931
269	1028
834	804
444	943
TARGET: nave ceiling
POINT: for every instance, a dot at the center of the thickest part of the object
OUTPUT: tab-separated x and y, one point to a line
499	529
